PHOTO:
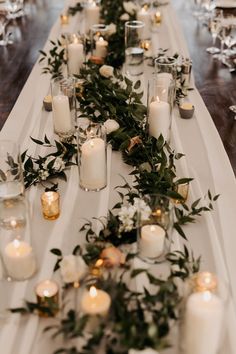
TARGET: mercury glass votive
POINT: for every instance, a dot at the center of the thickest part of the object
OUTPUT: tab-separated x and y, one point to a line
47	293
50	202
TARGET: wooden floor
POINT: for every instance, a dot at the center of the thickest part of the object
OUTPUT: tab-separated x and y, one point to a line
216	85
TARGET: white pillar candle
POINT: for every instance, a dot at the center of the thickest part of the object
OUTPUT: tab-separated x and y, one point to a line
95	302
91	15
75	58
159	119
61	114
152	240
93	164
101	48
19	260
203	323
144	15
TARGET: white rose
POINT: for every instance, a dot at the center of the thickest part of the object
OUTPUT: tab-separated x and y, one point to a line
106	71
144	351
130	7
124	17
111	125
73	268
111	29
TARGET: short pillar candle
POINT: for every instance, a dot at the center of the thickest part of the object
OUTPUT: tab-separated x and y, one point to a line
50	205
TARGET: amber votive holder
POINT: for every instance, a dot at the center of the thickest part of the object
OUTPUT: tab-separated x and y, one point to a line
64	19
47	294
50	202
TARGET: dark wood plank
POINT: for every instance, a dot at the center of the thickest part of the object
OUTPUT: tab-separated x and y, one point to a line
16	61
213	80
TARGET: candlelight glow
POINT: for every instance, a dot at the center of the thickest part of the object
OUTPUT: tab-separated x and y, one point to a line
206	281
93	292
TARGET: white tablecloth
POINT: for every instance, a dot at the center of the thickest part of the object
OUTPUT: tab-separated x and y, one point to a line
213	236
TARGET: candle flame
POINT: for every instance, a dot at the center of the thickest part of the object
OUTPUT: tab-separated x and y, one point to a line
206	281
16	243
13	223
207	296
157	99
101	39
93	292
99	263
152	228
46	293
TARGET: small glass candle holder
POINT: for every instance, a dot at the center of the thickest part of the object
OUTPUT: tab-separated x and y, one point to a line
155	230
156	19
99	42
75	53
92	157
50	202
202	328
64	18
47	294
134	53
91	14
63	107
160	104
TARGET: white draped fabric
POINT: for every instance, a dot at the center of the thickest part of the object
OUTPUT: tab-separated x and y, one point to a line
212	236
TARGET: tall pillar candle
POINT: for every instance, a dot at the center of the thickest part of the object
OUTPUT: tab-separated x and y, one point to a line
93	174
145	16
91	15
61	114
159	119
152	239
75	58
19	260
203	323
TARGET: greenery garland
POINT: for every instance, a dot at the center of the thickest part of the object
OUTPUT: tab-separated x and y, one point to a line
136	319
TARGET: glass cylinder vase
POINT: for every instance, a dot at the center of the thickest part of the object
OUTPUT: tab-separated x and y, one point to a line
92	157
63	107
155	225
99	43
160	104
134	53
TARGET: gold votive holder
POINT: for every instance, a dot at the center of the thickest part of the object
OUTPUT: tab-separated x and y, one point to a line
64	19
47	294
182	189
50	202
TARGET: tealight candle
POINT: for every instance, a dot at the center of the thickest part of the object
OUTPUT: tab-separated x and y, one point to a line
64	19
203	323
186	110
157	18
205	281
50	205
75	57
144	15
159	119
92	13
101	48
47	293
152	239
61	114
19	260
47	103
95	302
93	174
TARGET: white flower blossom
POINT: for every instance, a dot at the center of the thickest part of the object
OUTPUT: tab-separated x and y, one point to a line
106	71
73	268
111	125
144	351
126	217
124	17
58	163
111	29
143	208
130	7
43	175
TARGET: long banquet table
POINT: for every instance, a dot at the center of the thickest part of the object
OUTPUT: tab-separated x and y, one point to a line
212	236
